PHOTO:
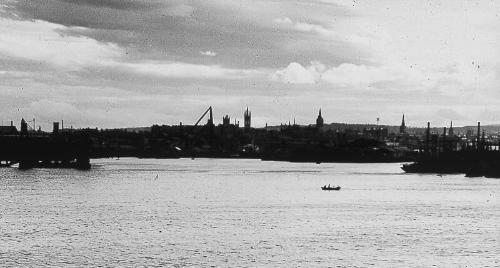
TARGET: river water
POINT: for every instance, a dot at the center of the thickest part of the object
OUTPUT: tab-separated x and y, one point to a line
246	213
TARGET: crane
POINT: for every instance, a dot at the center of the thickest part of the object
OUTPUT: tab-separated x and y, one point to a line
210	118
210	125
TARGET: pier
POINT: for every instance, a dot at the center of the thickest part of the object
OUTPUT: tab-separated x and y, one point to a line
32	149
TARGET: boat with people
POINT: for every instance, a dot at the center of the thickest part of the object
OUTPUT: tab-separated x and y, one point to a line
330	188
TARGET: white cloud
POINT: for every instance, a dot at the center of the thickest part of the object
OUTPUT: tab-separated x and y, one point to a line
344	75
46	42
388	77
352	75
208	53
307	27
295	73
417	56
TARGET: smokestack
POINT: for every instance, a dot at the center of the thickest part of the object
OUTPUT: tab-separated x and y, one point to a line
478	135
444	131
55	128
62	124
427	136
11	123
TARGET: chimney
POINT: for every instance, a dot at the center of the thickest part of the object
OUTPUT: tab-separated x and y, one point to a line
478	135
427	137
55	128
11	123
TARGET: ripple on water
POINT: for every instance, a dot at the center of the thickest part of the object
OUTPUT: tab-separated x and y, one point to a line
240	213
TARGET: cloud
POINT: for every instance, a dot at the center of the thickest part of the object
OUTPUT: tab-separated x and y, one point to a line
449	80
352	75
295	73
208	53
49	43
418	56
187	70
52	44
344	75
307	27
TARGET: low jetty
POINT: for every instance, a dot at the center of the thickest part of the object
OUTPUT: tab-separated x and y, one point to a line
40	150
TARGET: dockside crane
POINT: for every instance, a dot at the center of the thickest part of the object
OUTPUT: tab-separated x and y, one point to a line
210	125
210	118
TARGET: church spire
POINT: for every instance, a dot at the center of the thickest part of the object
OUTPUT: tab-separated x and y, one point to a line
402	128
319	120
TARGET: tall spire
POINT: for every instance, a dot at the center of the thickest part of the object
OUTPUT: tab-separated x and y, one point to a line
402	128
247	115
319	120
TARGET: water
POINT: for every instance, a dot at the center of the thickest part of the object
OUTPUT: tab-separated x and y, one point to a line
241	213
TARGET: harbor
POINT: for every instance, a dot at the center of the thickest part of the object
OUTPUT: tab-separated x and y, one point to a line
249	133
423	150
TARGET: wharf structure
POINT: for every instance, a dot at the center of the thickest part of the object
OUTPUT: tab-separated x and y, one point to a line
448	153
32	149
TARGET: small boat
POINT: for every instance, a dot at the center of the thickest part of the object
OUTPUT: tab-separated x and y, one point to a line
328	188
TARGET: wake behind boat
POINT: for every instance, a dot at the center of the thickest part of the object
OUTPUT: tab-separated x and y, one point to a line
330	188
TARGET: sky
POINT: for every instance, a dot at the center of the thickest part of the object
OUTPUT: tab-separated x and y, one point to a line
126	63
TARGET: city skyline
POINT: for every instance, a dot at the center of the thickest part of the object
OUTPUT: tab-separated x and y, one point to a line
246	123
136	63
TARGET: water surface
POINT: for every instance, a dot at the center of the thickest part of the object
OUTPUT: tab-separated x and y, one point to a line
240	213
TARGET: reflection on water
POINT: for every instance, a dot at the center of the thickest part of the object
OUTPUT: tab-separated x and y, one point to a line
208	212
